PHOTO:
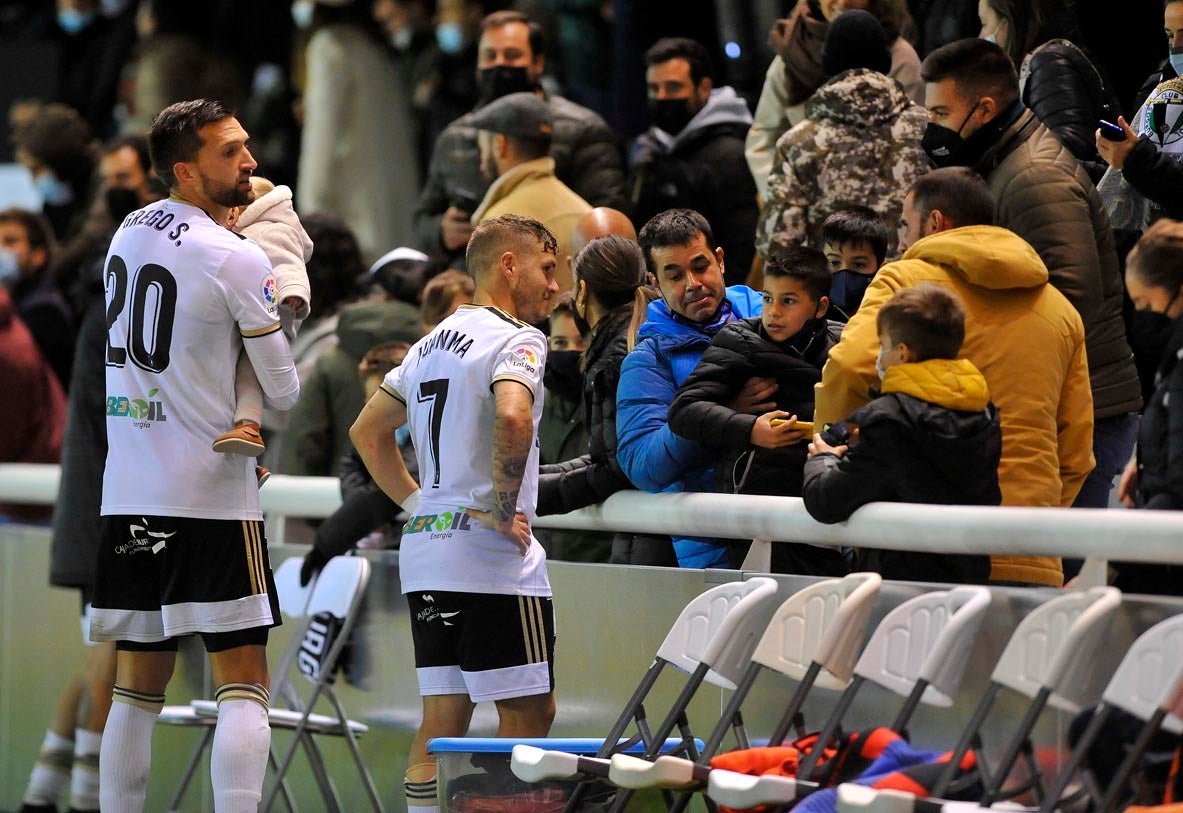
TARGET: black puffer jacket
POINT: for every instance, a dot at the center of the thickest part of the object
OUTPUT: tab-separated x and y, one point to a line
703	168
1065	91
1160	467
364	506
933	437
594	477
587	159
699	412
1156	177
1043	195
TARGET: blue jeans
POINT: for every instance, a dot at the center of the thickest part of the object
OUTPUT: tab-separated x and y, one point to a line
1113	444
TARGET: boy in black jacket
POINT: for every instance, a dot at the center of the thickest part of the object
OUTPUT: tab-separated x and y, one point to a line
789	343
930	436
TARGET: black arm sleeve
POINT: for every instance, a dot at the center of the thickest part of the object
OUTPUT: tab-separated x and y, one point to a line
1171	496
1155	176
836	486
698	411
1058	93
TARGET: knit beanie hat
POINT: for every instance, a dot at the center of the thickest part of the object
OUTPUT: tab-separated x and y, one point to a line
855	39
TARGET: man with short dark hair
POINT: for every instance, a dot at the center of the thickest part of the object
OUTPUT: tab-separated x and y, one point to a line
693	154
682	254
482	618
1043	195
511	59
182	549
1021	332
514	136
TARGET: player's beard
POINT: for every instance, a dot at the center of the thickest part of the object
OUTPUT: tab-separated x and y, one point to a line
227	195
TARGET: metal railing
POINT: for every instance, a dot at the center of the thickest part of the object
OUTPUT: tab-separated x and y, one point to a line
1146	536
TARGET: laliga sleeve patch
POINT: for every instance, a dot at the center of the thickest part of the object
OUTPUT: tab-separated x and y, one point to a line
270	293
524	359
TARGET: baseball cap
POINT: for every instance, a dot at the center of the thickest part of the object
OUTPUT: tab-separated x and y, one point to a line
401	272
518	115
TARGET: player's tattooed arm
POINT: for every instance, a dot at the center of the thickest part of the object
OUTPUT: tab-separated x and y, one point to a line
505	505
513	436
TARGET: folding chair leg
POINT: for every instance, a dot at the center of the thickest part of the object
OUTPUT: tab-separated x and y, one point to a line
787	720
909	708
316	760
1015	747
351	741
805	768
949	773
190	769
1132	757
731	713
283	784
1095	726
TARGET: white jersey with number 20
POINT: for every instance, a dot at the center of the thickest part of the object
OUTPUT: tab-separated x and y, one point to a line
181	293
446	383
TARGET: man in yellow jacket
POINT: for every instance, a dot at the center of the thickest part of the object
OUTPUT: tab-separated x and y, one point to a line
1022	333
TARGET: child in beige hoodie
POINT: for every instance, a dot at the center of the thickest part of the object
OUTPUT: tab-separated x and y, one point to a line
271	221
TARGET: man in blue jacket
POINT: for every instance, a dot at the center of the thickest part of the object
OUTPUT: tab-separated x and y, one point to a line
682	255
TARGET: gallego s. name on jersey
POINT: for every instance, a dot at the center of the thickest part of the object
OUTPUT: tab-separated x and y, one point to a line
451	340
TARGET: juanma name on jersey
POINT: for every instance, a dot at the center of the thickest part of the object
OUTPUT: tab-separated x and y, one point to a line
446	340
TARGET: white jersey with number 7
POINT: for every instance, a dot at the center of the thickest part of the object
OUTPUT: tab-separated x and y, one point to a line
446	383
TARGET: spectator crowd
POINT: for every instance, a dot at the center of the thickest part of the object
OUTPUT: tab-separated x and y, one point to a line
921	251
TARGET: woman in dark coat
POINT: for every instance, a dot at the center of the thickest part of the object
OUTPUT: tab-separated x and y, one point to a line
611	297
1154	479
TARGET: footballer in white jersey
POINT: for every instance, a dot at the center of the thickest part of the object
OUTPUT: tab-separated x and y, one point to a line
177	315
446	383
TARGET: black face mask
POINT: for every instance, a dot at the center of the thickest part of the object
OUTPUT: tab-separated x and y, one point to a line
502	80
581	324
847	290
942	144
1151	330
562	375
671	115
121	202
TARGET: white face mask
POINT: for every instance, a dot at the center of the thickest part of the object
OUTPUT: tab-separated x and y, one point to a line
302	11
879	365
9	268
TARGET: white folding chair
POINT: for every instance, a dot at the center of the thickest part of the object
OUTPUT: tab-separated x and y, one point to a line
293	600
920	651
338	592
712	639
813	638
1048	659
1147	684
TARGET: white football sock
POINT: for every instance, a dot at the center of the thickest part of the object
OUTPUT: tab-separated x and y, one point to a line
126	752
84	779
242	739
51	772
420	788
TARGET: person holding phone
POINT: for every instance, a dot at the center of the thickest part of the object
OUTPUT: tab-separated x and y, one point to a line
931	435
789	342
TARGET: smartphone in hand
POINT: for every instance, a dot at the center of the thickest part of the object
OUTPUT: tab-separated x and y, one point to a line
1111	132
804	426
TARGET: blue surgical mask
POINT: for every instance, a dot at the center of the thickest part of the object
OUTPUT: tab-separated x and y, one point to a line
450	37
9	270
302	11
71	20
1176	57
54	192
991	38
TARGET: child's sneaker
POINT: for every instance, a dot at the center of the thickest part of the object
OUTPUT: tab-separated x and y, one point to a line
262	474
243	439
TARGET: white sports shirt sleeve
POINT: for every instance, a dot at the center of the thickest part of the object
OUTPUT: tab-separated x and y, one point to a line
447	383
181	292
